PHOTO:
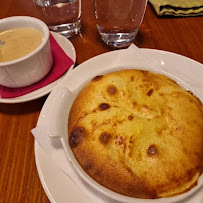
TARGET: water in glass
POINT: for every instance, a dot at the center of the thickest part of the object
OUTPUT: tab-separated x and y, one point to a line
62	16
118	21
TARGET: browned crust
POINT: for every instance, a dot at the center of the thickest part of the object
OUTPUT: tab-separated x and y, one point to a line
138	134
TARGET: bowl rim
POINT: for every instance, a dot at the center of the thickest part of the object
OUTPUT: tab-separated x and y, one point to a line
32	20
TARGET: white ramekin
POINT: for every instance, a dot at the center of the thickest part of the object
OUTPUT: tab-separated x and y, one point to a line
61	100
34	66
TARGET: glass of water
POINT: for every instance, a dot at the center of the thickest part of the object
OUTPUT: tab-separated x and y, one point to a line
61	16
118	21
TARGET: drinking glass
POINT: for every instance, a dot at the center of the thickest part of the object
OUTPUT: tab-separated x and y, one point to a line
61	16
118	21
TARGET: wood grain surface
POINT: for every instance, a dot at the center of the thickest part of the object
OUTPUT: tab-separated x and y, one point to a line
19	181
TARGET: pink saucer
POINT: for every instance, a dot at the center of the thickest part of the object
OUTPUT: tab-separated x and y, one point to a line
61	65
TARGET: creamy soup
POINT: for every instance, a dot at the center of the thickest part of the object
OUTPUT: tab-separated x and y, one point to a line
18	42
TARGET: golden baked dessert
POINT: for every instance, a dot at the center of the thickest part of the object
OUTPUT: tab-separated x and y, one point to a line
138	133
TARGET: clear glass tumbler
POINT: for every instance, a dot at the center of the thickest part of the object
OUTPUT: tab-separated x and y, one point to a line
118	21
61	16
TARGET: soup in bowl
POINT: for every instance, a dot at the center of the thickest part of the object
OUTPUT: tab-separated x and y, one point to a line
25	55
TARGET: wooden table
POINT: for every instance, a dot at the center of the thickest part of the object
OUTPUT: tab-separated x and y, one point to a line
19	181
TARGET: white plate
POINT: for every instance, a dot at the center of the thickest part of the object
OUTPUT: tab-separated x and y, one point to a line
57	185
69	49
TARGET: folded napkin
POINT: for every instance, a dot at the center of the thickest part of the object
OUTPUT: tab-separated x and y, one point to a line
178	7
61	63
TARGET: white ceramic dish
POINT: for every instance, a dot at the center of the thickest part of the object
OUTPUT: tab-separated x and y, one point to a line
69	49
154	60
32	67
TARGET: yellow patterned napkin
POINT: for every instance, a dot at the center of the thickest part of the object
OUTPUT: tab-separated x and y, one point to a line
178	7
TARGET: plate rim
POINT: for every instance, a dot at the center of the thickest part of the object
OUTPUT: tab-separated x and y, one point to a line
43	182
153	50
